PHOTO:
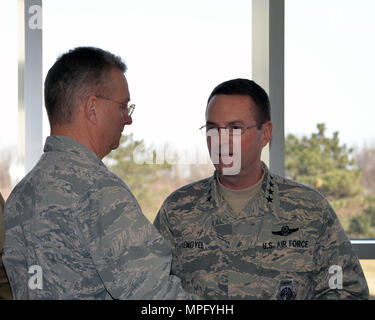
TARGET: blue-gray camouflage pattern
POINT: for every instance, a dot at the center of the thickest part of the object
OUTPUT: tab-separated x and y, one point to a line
81	224
280	246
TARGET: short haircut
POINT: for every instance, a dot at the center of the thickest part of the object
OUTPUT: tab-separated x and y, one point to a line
76	75
245	87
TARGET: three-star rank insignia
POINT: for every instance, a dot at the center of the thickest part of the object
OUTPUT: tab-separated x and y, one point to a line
286	291
285	231
270	190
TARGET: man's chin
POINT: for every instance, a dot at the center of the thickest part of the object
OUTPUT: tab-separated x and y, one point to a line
116	145
220	166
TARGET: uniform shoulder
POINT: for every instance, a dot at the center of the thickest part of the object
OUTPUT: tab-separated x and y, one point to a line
84	174
293	189
188	193
26	187
302	202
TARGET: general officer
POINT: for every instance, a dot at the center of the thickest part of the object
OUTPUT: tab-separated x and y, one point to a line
248	233
73	224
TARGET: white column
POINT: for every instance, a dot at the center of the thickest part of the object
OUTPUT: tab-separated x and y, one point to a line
21	82
33	82
268	72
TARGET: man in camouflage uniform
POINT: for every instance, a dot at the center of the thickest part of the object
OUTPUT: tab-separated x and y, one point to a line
251	234
70	216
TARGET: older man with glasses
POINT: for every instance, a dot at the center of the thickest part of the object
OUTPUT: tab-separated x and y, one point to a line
73	229
246	233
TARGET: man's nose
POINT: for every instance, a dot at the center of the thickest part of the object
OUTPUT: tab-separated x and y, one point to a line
225	138
221	141
127	119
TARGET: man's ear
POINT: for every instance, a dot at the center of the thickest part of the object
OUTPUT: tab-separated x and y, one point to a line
90	106
266	133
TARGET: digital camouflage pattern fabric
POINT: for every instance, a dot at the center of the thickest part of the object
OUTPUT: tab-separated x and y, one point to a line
280	246
81	224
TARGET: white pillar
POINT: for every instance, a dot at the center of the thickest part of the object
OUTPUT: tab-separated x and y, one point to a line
21	83
31	102
268	72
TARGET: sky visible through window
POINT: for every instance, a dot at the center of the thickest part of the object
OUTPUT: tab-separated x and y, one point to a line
178	51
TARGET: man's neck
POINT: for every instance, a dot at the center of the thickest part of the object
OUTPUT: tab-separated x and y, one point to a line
242	180
70	132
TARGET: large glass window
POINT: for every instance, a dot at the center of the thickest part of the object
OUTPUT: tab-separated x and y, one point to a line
11	116
368	267
329	68
329	108
176	52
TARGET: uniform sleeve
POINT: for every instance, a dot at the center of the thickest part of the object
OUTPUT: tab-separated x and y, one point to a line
338	272
131	257
164	226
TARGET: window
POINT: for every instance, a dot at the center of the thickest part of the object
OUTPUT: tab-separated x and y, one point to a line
12	116
329	70
176	53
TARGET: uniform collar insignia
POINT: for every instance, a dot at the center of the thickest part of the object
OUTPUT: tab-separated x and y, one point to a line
213	196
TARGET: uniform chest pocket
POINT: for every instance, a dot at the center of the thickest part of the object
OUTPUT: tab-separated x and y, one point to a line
197	254
244	235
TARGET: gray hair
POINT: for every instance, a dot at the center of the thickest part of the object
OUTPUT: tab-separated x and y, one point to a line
76	75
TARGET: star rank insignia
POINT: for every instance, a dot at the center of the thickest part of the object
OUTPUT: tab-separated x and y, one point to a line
270	190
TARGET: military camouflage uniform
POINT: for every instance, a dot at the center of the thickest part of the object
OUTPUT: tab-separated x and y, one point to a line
280	246
80	223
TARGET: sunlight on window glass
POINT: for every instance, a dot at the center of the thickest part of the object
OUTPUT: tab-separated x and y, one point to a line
176	53
11	143
368	267
329	105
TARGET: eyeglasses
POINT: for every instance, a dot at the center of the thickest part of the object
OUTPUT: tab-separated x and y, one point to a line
232	130
123	108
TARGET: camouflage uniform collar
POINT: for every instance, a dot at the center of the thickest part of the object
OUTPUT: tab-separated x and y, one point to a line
214	191
66	144
267	178
266	194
